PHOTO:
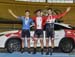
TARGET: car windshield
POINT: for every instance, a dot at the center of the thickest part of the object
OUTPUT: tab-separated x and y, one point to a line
62	26
72	27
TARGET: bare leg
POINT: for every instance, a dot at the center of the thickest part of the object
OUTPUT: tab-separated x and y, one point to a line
47	42
41	41
52	42
42	44
28	41
22	42
22	50
35	45
47	46
52	45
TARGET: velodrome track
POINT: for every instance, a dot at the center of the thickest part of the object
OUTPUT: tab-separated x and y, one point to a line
57	53
36	55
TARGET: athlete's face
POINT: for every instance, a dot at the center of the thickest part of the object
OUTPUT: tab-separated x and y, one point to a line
49	12
41	13
27	14
38	13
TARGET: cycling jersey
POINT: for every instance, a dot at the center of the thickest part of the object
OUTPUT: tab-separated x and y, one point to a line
26	22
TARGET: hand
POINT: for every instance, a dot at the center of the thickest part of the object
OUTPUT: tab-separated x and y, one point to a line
10	10
32	25
68	9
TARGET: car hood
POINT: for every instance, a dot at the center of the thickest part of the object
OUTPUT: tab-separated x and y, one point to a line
7	32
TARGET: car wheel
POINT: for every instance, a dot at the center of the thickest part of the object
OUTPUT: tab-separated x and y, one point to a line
66	45
13	45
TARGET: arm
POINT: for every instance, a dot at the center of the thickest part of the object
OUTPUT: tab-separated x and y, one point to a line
32	23
33	18
63	14
10	11
44	19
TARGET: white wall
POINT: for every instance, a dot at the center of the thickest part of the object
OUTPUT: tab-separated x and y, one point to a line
60	1
32	0
50	1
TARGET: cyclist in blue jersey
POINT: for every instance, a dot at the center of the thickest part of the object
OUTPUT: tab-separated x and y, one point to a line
27	22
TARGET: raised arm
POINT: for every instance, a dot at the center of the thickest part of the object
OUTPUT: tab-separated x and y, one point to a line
63	14
10	11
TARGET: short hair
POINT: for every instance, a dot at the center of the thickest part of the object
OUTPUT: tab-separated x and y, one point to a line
39	10
27	10
49	9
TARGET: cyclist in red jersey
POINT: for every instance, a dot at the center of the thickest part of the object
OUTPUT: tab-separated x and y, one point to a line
50	27
39	21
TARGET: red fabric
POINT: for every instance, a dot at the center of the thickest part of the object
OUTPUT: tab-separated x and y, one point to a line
59	15
43	21
44	18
